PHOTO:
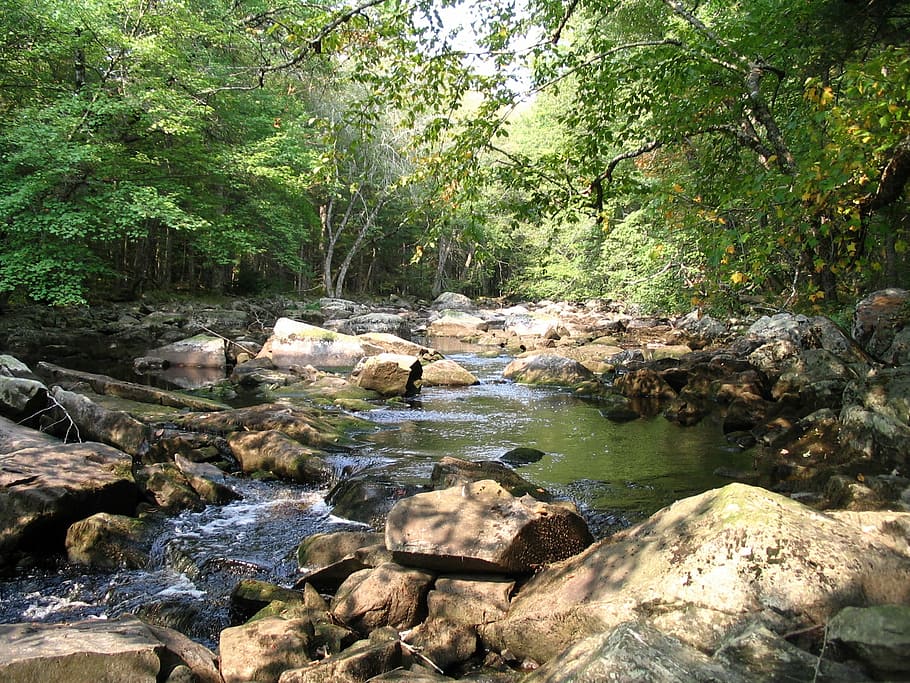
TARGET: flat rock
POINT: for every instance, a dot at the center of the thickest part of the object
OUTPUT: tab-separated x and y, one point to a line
297	343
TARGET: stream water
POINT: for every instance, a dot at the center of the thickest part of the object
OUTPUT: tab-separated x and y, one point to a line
616	473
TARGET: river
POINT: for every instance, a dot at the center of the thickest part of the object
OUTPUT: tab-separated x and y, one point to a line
616	473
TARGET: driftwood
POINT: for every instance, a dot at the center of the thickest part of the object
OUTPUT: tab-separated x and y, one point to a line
102	384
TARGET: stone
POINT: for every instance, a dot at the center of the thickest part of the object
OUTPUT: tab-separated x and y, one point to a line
444	643
632	652
94	422
878	317
368	498
209	482
447	373
13	367
471	600
321	550
166	486
876	416
879	636
260	651
297	343
109	542
98	651
45	488
453	301
548	369
388	595
251	595
199	351
275	452
699	567
534	325
389	374
458	324
390	343
643	383
364	660
21	397
449	472
481	527
381	323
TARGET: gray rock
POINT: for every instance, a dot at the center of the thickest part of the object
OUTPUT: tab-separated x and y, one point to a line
296	343
21	397
383	323
453	301
200	351
454	323
879	636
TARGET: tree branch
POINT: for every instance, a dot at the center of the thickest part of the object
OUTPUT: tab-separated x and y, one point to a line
557	34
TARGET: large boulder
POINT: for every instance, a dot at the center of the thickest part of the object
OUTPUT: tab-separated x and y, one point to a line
297	343
93	421
199	351
20	396
46	488
100	651
703	566
389	374
453	301
481	527
109	542
879	636
449	472
549	369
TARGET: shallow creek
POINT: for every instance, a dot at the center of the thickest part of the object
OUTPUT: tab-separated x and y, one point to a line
616	473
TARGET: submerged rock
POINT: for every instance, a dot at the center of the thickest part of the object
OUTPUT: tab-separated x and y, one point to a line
548	369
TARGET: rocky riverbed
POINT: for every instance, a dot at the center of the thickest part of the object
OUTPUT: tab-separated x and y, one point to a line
799	571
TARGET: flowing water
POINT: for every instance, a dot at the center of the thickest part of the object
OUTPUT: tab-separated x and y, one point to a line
616	473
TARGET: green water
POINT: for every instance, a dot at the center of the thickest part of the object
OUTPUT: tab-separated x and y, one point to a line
630	469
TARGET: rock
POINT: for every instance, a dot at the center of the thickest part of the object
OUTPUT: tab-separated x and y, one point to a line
617	408
879	317
450	472
340	308
381	323
632	652
209	482
102	384
482	527
200	351
535	325
364	660
522	456
109	542
471	600
447	373
275	452
701	566
94	422
321	550
13	367
389	374
259	651
703	327
20	397
899	351
98	651
166	486
295	343
44	489
389	595
453	301
548	369
644	383
879	636
458	324
367	498
304	425
389	343
876	416
443	642
818	378
251	595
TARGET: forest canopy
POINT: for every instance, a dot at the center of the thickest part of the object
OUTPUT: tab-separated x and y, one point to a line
672	153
